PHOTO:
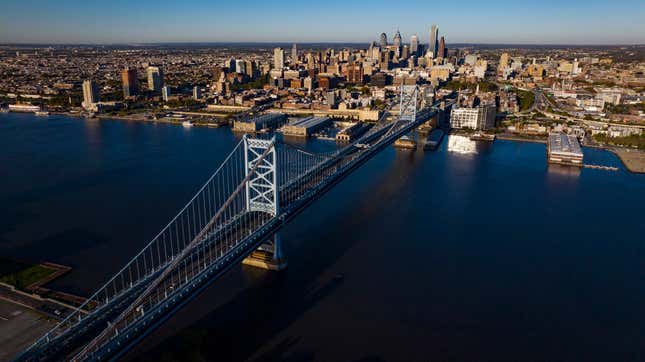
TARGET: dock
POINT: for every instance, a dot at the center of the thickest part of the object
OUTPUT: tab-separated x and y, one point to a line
600	167
405	142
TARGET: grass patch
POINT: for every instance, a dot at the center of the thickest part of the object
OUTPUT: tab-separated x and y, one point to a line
25	275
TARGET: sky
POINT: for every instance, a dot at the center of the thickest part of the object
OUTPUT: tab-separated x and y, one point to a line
463	21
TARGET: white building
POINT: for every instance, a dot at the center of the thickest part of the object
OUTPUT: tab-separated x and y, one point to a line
90	94
478	118
165	93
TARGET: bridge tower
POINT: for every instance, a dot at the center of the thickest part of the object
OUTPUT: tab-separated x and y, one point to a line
262	196
408	102
408	113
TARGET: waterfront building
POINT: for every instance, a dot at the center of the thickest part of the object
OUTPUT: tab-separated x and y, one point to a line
278	58
90	94
130	82
351	132
477	118
564	149
265	121
304	127
155	78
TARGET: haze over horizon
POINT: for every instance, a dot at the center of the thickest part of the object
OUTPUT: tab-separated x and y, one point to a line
495	22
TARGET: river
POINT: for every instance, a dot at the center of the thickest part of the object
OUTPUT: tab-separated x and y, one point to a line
475	251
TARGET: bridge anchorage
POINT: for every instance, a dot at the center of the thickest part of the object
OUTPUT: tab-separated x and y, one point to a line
262	195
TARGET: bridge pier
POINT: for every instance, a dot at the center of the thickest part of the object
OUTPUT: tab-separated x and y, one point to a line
269	256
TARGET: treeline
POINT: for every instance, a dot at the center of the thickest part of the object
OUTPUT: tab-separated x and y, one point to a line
637	141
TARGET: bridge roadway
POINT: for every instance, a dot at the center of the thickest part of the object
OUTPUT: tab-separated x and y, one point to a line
253	228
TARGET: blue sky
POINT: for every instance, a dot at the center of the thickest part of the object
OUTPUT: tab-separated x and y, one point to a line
491	21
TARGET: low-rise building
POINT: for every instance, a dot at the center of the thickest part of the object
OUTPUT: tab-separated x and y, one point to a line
265	121
304	127
564	149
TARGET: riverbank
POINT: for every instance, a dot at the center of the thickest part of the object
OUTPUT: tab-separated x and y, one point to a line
634	160
516	138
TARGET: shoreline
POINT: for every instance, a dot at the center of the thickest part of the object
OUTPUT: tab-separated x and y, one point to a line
633	160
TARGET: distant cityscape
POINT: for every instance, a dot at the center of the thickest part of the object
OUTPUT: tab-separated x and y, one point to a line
596	93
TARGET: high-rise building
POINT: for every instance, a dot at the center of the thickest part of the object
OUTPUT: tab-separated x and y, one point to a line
294	54
130	82
414	45
278	58
397	39
90	93
197	93
165	93
383	40
155	78
240	66
441	52
434	35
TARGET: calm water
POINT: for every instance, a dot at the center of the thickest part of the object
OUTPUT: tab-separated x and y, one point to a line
473	252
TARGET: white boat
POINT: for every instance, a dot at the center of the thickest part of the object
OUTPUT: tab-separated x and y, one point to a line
187	124
42	113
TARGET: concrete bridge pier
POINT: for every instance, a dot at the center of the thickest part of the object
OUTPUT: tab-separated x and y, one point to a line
269	255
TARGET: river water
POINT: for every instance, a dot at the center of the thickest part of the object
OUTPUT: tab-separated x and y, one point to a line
475	251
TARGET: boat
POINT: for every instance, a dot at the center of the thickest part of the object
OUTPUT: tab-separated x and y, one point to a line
187	124
434	140
4	110
479	136
42	113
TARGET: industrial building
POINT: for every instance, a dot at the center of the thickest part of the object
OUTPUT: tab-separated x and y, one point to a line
564	149
304	127
265	121
352	132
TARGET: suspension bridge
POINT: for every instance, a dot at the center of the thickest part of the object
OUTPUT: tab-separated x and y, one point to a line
260	186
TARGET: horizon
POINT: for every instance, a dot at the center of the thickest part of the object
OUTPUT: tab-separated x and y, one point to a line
145	22
460	44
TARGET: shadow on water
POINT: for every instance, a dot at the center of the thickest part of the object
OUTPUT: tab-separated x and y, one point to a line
270	302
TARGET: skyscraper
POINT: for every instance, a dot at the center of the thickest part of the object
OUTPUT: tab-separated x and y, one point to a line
383	41
90	93
130	82
397	39
165	93
155	79
278	58
414	45
434	35
294	53
441	52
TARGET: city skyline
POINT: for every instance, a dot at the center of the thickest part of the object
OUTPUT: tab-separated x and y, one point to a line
76	22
